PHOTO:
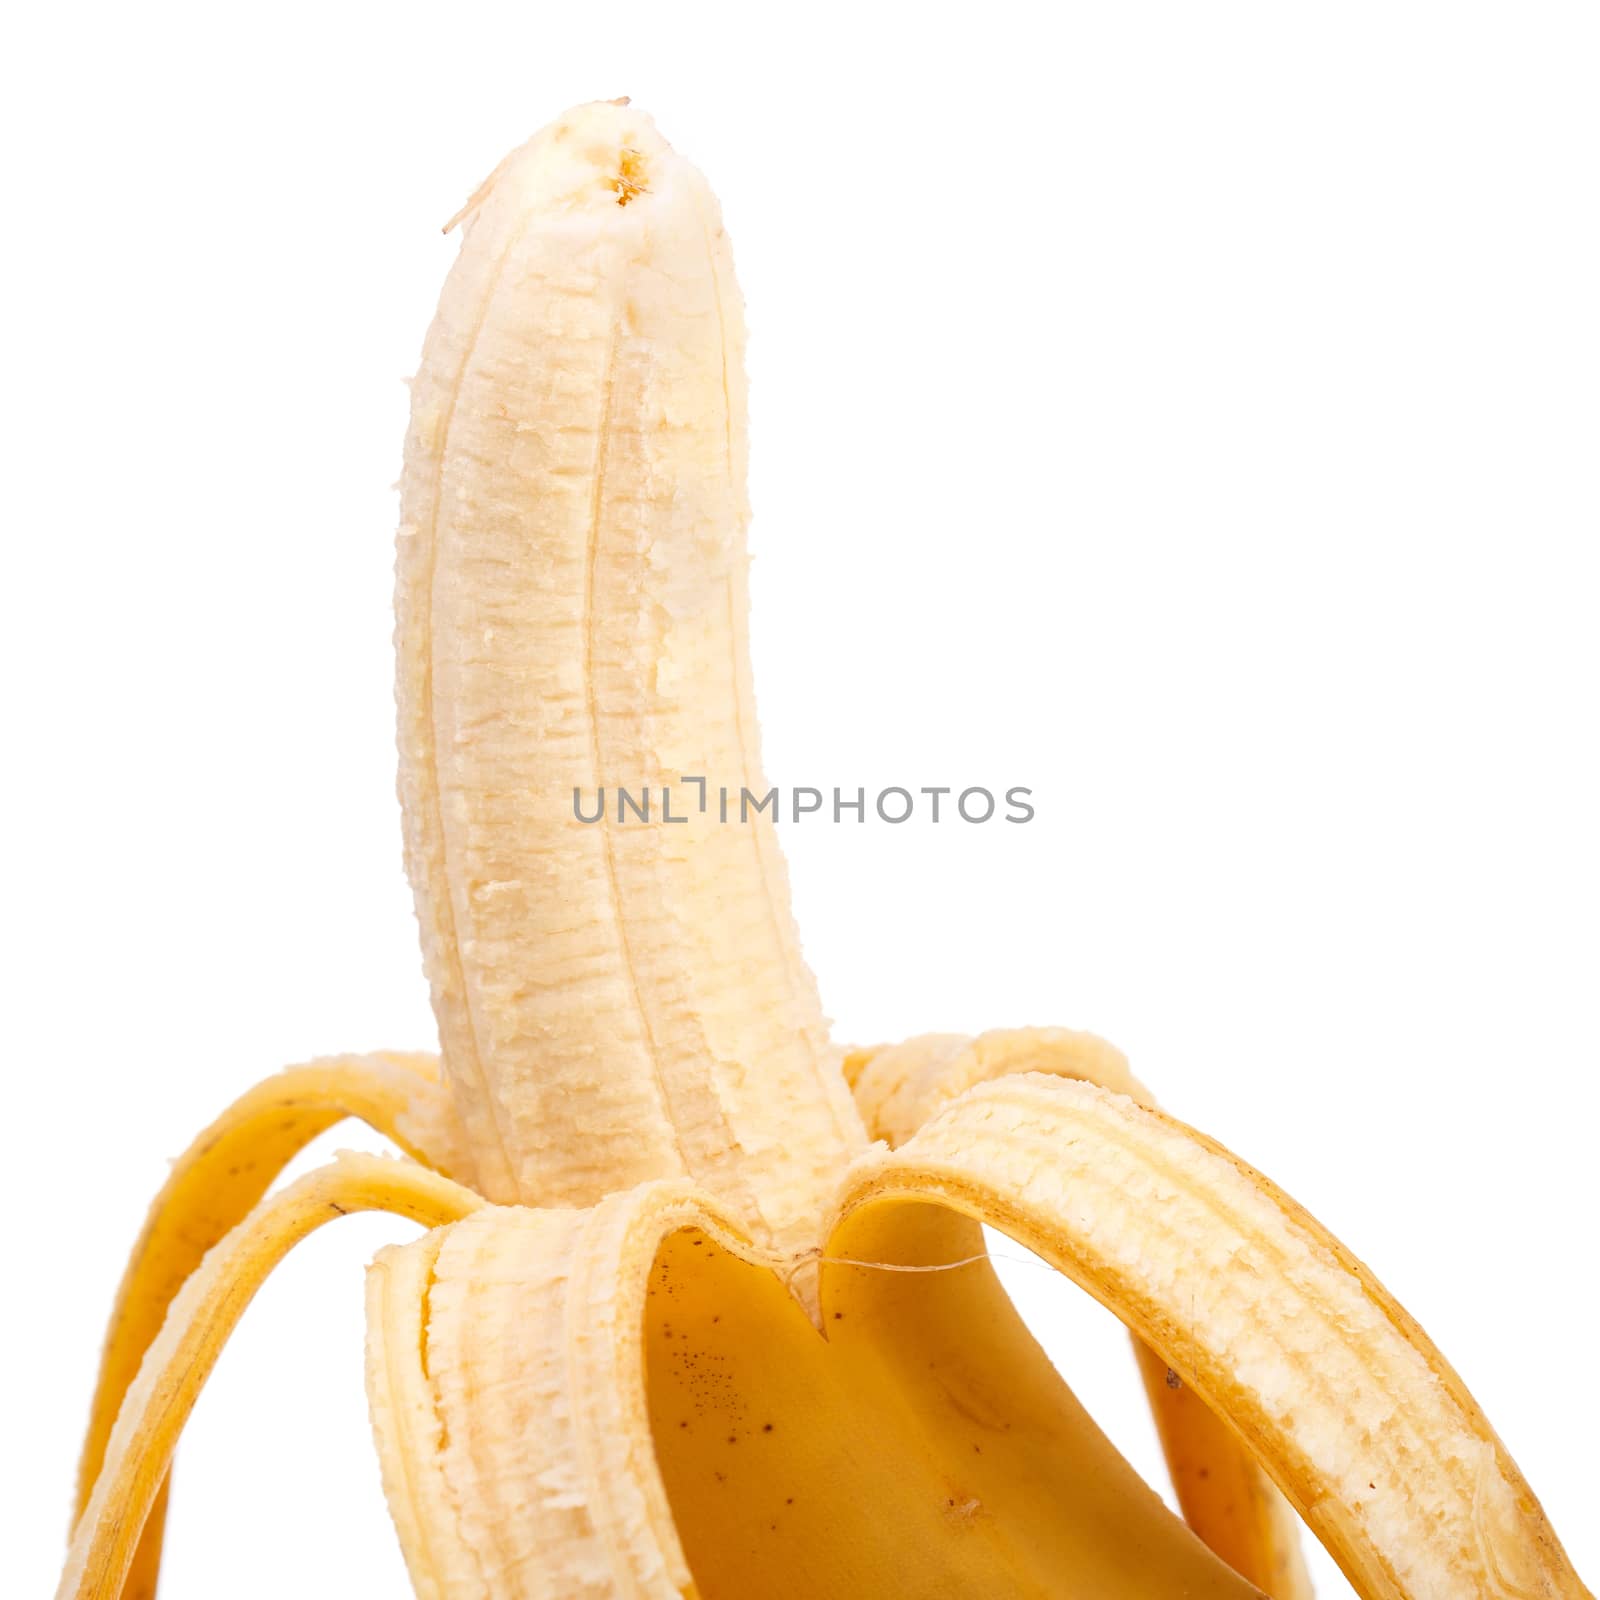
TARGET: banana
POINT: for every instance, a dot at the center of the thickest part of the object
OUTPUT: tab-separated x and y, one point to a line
572	610
703	1307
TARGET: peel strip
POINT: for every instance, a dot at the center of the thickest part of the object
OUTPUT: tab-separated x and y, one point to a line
1224	1494
1331	1385
202	1315
214	1184
225	1171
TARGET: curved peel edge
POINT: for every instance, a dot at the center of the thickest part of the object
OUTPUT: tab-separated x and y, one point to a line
1331	1385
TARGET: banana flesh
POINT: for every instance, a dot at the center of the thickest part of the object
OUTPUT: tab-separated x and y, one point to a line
572	609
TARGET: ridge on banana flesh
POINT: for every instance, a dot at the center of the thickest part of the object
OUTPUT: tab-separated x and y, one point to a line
701	1308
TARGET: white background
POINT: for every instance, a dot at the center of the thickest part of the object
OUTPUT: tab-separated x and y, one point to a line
1188	412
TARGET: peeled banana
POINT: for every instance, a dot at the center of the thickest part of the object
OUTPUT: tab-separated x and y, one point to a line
703	1306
